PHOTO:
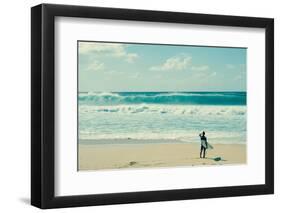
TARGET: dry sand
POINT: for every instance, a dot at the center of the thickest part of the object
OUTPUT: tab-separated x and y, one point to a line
117	156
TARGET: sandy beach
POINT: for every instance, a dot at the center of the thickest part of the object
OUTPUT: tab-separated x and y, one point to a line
152	155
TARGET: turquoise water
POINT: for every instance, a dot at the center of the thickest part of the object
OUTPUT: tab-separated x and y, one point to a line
163	115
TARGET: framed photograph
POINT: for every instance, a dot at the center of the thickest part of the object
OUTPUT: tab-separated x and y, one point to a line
139	106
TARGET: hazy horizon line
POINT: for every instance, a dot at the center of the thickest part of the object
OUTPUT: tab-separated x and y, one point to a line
165	91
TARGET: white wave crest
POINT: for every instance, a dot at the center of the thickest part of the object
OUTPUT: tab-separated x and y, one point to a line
191	110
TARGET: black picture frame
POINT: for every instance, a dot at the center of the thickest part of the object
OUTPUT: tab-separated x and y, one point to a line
43	105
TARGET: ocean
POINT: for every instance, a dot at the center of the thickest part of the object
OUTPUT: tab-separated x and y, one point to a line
162	117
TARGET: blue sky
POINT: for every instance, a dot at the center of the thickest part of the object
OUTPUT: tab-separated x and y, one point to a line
125	67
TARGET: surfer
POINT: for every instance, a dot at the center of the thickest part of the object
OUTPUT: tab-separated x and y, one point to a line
203	144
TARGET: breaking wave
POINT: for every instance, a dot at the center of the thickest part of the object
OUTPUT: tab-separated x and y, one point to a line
184	98
166	109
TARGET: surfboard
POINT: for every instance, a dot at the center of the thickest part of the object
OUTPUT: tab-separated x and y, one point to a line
209	146
204	143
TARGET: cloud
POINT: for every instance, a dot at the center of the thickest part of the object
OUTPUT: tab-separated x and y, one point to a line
180	62
200	68
107	49
238	78
89	47
95	66
230	66
204	75
135	75
213	74
131	57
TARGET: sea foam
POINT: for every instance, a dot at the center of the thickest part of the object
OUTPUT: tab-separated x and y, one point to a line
191	110
163	116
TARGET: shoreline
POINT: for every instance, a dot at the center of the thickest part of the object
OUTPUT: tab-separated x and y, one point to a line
153	154
133	141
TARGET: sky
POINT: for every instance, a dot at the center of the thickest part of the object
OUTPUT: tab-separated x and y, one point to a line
123	67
